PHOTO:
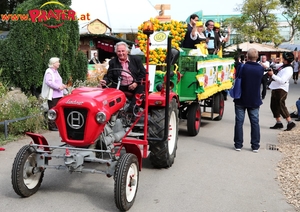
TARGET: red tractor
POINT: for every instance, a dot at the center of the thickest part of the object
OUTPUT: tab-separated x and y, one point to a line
95	127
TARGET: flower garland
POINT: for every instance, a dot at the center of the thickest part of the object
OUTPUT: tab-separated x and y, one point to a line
177	33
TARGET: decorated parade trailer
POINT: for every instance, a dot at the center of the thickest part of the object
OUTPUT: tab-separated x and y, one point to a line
200	81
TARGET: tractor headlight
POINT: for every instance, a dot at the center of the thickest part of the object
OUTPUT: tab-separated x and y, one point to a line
101	117
52	115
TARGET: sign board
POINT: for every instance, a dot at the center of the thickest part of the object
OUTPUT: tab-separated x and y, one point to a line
159	39
96	27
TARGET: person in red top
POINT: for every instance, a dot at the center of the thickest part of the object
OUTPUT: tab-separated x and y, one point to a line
130	82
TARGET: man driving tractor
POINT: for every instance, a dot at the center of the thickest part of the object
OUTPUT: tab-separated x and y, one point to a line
133	73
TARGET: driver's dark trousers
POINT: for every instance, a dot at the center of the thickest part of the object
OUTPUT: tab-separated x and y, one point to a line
138	90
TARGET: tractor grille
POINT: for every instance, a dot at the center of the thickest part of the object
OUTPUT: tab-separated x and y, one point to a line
75	120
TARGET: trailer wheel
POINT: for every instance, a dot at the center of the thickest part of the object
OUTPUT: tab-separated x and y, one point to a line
193	119
25	175
218	105
162	154
126	181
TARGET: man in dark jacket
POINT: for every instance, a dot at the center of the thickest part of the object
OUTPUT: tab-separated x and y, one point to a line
188	42
251	75
132	76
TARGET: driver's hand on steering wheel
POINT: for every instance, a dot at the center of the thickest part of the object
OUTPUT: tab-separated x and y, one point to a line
132	86
103	83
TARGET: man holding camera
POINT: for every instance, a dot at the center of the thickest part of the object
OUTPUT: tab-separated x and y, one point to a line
266	65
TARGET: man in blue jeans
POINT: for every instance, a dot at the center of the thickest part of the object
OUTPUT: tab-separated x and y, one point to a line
250	100
298	109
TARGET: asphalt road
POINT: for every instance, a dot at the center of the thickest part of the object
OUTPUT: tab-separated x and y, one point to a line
208	175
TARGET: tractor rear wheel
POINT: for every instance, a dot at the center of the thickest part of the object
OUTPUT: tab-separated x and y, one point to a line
163	153
218	105
25	175
193	119
126	181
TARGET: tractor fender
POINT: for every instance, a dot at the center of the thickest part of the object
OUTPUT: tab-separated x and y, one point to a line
39	139
134	149
159	99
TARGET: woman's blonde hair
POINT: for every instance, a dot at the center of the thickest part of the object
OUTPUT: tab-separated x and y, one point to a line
52	61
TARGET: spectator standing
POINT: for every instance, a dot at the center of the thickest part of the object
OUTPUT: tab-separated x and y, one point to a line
266	65
296	67
251	74
298	110
188	42
277	63
280	89
52	88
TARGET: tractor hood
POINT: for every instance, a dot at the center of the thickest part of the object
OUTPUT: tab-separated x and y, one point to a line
109	99
76	113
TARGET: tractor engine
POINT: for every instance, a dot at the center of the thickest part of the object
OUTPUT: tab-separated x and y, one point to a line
113	132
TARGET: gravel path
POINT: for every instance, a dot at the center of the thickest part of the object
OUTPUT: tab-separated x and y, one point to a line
289	166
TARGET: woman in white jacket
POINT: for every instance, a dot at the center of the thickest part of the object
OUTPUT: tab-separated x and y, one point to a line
52	88
280	88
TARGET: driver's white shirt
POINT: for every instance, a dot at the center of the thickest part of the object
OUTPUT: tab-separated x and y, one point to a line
127	79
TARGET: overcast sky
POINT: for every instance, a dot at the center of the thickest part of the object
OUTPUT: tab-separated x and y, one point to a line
181	9
122	15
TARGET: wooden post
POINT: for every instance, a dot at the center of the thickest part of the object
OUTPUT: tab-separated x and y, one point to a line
162	17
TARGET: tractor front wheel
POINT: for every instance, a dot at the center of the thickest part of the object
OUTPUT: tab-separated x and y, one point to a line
26	176
126	181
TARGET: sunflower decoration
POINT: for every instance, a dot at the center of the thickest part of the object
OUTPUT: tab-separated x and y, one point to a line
177	33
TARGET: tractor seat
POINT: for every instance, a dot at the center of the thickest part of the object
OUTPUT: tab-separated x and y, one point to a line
128	94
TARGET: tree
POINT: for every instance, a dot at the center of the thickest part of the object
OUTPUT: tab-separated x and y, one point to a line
291	12
30	45
257	23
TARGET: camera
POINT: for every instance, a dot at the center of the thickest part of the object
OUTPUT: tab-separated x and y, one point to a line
271	68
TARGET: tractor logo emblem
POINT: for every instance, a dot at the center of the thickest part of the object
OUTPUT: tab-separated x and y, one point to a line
75	120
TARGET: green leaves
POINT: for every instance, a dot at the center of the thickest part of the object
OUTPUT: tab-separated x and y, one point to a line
29	47
258	22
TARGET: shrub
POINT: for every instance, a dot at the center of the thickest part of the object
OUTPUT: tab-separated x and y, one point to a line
15	105
29	46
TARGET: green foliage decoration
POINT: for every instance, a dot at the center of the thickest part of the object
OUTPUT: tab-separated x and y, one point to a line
30	45
80	68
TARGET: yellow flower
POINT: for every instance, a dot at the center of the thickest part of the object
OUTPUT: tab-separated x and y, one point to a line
177	33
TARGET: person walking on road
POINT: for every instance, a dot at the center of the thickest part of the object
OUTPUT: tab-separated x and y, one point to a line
296	67
251	75
266	65
280	89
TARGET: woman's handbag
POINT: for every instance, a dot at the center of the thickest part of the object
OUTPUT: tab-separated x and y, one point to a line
236	90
